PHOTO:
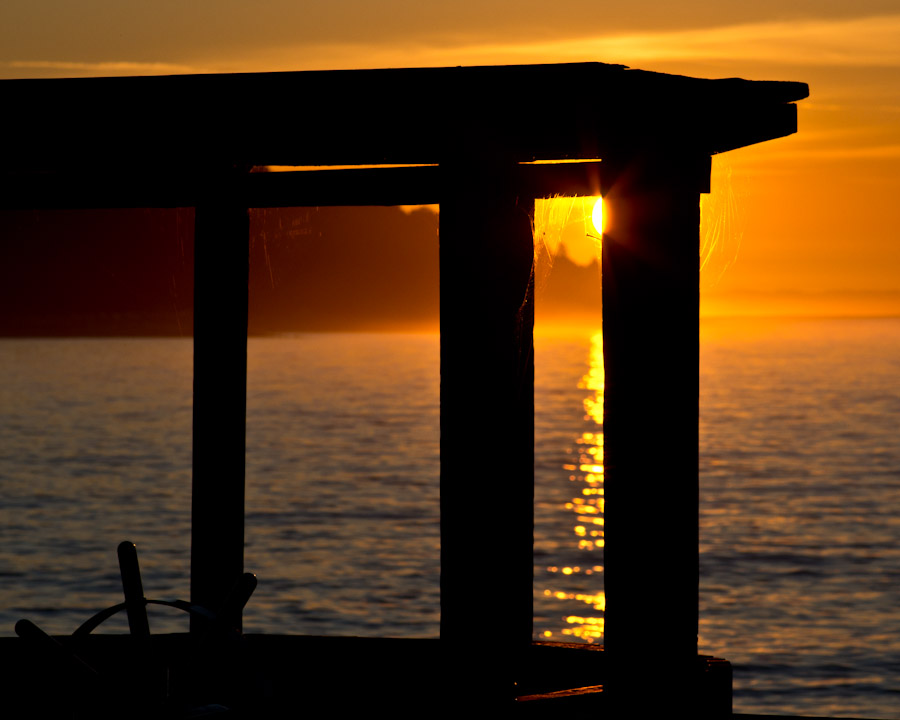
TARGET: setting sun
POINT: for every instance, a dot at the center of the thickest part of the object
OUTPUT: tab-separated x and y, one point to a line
573	222
597	215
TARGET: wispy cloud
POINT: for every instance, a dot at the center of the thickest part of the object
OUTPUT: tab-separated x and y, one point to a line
809	153
849	42
99	68
846	43
855	42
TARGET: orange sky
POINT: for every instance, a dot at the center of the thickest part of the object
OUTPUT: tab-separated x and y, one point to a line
817	213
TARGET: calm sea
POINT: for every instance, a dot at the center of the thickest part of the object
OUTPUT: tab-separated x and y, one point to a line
800	483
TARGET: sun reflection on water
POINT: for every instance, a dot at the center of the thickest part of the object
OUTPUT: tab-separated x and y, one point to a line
587	506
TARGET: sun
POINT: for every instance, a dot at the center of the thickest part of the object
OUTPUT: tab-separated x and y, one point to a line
597	216
575	222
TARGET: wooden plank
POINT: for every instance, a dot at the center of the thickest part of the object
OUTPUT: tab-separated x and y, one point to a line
221	271
190	121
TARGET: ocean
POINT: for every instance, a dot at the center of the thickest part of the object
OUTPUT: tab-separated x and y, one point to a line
799	473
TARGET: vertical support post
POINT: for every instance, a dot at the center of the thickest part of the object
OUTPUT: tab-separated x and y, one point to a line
221	271
650	267
133	589
487	429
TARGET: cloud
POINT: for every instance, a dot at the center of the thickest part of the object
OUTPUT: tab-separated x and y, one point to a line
854	42
846	43
56	67
811	152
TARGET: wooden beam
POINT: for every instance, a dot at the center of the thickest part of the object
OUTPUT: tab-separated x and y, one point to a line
487	431
415	185
650	266
186	122
221	270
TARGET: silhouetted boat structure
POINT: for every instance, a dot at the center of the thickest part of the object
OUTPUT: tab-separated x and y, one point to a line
468	139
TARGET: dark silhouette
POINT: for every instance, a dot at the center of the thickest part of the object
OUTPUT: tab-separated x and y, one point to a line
190	141
141	686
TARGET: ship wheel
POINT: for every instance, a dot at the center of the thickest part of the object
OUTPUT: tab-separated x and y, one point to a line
148	679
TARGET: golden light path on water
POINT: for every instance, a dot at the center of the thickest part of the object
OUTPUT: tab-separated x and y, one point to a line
578	224
587	506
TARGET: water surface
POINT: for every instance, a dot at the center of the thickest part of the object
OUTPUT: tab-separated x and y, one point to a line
800	486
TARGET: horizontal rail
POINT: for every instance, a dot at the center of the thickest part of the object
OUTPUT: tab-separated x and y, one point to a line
418	185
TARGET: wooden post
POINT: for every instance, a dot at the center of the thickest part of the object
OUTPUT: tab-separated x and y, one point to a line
221	270
487	430
651	278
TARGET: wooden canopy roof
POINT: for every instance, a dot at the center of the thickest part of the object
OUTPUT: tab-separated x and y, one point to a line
172	128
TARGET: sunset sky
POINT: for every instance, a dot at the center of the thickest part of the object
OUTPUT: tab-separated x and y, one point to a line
817	221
